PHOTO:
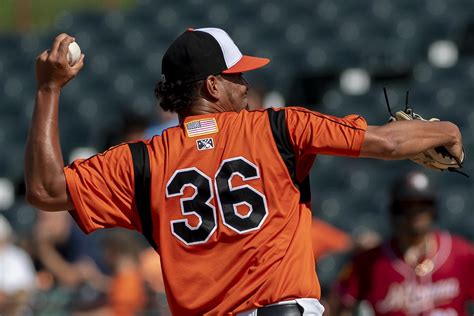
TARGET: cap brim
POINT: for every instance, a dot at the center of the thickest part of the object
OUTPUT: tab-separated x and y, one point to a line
247	63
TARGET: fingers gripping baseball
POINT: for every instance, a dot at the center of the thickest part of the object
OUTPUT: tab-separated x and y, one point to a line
52	68
57	43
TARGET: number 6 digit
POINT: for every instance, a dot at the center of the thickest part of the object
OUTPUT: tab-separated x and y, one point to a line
230	197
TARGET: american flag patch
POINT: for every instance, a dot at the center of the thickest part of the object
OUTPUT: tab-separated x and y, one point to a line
201	127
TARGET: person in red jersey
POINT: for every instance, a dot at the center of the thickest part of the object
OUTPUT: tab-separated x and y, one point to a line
420	271
224	197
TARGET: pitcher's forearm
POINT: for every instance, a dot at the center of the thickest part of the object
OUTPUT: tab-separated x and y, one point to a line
43	158
404	139
413	137
44	176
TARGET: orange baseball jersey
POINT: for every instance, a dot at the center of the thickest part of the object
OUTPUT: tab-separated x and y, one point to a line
224	198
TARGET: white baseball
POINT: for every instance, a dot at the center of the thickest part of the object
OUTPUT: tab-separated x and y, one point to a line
73	54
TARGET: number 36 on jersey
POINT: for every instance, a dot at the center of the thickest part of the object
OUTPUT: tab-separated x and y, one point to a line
228	198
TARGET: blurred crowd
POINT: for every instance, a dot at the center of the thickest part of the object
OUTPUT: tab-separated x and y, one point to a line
56	269
61	271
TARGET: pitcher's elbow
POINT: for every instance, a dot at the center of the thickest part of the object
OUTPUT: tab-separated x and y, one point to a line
39	199
34	197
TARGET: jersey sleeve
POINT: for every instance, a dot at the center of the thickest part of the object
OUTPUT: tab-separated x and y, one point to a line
315	133
102	190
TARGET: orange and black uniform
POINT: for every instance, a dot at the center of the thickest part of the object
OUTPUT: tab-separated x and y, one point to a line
228	210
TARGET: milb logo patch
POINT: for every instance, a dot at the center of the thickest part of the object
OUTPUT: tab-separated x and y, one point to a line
205	143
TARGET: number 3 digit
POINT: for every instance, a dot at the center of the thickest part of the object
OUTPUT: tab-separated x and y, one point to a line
199	205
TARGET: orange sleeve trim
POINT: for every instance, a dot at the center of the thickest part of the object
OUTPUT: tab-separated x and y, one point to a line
357	144
363	127
354	122
79	214
360	134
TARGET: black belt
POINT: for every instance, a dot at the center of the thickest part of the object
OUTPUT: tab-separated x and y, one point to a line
291	309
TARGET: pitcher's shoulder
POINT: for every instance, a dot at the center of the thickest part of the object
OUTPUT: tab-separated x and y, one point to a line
242	115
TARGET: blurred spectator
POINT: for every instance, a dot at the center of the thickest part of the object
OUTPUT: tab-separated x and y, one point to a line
132	127
68	263
165	120
126	288
259	99
136	126
420	271
150	264
328	239
127	293
65	252
256	97
17	278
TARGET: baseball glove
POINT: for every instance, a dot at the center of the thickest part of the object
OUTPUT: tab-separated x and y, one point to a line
438	158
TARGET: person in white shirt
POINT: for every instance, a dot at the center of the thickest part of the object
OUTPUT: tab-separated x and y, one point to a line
17	274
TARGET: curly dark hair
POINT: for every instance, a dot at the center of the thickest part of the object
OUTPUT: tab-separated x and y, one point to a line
177	97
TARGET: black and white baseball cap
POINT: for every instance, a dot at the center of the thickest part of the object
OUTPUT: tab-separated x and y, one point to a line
198	53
